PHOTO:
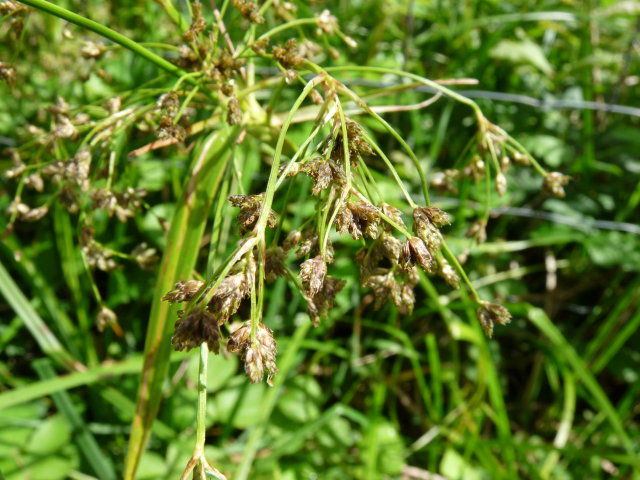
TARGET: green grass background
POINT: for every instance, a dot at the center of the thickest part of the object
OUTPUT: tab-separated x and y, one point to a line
368	394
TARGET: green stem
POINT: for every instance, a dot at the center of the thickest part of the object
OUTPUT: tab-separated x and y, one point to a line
463	274
202	398
273	175
392	169
397	136
105	32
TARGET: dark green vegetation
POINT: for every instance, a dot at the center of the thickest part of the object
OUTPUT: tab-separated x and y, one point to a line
370	393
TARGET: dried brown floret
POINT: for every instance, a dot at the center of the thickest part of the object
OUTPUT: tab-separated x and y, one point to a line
7	73
415	252
426	229
274	264
445	181
290	168
105	317
390	247
291	240
403	298
553	183
92	50
183	291
356	143
194	329
327	22
386	286
95	254
309	245
290	76
226	66
34	214
24	212
198	23
145	256
361	219
169	102
228	295
191	57
367	259
250	207
234	114
437	216
491	313
18	167
446	271
35	182
346	223
381	283
337	173
167	129
475	169
288	55
312	273
521	159
260	45
320	171
248	10
394	214
319	305
478	230
259	356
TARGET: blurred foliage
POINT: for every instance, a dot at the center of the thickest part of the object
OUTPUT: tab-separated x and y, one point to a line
368	394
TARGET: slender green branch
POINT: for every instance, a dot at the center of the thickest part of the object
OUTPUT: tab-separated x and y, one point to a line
202	398
105	32
397	136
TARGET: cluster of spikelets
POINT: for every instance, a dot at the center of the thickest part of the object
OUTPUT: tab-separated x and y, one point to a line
201	324
389	262
392	255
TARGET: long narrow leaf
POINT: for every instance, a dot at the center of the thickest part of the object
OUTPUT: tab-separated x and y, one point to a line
83	437
565	351
47	341
178	262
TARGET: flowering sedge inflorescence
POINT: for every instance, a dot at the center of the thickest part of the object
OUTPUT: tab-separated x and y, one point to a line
389	260
391	254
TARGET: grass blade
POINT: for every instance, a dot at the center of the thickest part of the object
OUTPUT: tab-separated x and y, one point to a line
185	235
45	338
565	351
83	437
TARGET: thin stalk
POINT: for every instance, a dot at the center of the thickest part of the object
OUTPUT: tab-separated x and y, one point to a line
394	134
202	398
106	32
273	175
392	169
463	274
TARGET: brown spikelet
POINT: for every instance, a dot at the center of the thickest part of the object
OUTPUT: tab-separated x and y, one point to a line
491	313
312	273
183	291
196	328
259	357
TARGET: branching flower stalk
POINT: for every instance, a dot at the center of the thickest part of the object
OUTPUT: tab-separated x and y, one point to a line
219	77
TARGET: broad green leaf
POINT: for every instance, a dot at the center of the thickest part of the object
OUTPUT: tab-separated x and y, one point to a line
50	436
523	51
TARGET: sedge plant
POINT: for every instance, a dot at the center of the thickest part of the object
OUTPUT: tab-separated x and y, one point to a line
224	101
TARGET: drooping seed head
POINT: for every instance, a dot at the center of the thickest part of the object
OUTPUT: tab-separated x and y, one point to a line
554	182
312	273
197	327
183	291
491	313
